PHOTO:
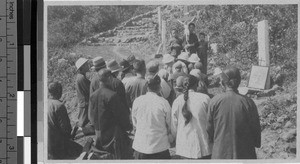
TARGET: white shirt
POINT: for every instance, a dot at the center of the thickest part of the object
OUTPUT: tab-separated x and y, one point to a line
151	116
191	139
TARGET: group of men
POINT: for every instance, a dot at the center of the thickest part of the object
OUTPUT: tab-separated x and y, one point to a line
160	107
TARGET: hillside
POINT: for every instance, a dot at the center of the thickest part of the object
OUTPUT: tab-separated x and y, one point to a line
233	28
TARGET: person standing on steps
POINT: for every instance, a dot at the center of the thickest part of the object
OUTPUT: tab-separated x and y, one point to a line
203	49
233	121
174	47
191	44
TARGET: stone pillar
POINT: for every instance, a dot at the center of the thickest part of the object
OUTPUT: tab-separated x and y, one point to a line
263	47
263	43
159	19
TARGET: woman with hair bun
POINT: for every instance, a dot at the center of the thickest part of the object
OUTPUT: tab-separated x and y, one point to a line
189	112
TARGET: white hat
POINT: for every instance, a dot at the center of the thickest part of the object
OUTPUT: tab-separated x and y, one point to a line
217	71
194	58
183	56
79	63
167	58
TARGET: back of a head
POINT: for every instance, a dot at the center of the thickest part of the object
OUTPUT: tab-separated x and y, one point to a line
153	67
202	87
139	66
153	82
189	83
55	89
198	65
231	77
104	75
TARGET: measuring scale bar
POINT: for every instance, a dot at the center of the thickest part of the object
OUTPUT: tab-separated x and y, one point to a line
8	81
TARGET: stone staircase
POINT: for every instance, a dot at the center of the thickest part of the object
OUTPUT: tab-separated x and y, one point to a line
136	30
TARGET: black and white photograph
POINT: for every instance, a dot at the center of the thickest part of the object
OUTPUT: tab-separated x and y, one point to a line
170	81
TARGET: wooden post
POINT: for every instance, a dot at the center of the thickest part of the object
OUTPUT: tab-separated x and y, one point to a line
263	47
185	10
163	35
159	19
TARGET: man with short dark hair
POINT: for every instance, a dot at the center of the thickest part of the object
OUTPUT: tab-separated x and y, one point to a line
110	118
136	85
151	116
60	145
191	43
233	121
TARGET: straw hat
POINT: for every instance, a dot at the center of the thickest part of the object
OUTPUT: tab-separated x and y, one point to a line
194	58
113	66
80	62
98	63
167	58
183	56
177	65
217	71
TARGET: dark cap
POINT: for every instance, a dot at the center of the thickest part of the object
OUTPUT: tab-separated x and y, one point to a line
139	65
125	65
131	59
153	80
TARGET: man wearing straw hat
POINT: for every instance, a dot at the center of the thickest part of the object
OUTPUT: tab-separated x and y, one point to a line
126	71
116	84
83	93
98	64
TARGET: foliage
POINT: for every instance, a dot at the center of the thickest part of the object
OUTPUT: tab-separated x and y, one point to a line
234	28
67	25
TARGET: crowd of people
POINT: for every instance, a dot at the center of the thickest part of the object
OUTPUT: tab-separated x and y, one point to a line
140	110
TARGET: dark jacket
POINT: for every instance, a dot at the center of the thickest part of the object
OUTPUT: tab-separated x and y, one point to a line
95	83
233	126
202	54
83	90
119	88
106	112
193	39
59	132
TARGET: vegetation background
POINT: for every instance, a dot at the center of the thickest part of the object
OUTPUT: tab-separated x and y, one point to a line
232	27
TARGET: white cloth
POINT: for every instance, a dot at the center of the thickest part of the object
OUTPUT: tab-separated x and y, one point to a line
183	69
151	116
191	139
165	88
